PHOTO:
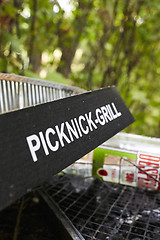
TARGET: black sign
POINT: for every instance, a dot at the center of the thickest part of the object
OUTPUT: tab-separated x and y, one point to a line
40	141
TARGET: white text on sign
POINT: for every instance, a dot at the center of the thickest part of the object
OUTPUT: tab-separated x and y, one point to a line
67	132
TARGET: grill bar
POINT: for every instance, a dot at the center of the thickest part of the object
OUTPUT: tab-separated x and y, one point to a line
17	92
97	210
149	218
101	210
65	222
112	206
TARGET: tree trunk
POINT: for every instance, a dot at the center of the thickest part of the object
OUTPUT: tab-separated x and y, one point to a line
34	52
69	49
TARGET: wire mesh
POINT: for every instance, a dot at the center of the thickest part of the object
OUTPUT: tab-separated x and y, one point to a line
101	210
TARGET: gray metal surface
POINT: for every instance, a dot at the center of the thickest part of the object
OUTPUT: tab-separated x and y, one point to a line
101	210
17	92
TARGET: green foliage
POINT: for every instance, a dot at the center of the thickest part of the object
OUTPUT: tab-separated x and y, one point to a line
97	44
57	77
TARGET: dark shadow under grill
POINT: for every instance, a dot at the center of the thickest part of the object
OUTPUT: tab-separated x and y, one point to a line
101	210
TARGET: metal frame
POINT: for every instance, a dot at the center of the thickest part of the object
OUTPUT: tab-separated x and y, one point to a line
60	216
101	210
17	92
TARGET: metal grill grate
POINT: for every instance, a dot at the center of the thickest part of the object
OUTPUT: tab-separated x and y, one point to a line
17	92
101	210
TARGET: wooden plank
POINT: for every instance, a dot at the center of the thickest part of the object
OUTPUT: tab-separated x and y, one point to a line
40	141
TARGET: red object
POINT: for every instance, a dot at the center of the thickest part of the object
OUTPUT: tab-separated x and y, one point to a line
129	177
103	172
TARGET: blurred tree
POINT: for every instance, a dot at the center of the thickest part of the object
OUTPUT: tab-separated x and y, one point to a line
96	43
69	35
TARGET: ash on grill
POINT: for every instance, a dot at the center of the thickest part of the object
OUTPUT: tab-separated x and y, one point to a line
102	210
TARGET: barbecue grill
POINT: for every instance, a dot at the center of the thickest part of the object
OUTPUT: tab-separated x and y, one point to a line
87	207
101	210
